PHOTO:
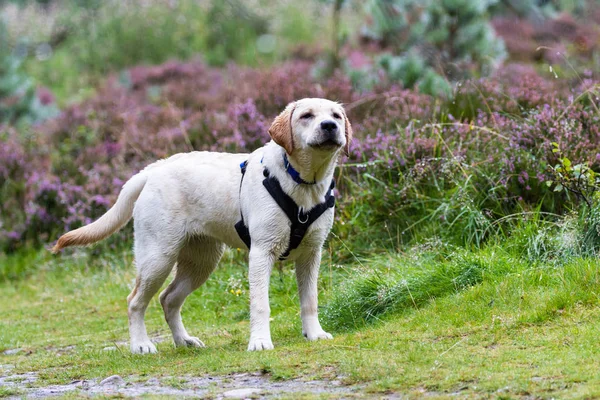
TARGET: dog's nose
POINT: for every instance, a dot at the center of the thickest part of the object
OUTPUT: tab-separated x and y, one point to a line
329	126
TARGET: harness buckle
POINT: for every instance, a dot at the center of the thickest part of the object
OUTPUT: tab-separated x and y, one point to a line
300	213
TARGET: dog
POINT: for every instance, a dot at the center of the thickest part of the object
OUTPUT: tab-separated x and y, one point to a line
276	201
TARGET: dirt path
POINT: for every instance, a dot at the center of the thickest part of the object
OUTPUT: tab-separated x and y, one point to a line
240	386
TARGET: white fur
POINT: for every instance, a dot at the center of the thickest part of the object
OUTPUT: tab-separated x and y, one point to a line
185	210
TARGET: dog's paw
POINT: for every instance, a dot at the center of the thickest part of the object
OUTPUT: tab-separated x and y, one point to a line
146	347
189	341
319	335
259	344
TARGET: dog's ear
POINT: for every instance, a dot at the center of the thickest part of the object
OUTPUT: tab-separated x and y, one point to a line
349	134
281	129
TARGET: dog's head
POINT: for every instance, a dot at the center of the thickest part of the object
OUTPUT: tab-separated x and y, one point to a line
316	124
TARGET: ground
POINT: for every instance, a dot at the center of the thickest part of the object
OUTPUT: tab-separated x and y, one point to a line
63	332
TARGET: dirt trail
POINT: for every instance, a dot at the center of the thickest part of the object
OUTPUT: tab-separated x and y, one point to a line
241	386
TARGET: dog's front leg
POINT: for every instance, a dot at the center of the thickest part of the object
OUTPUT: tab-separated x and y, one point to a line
261	264
307	274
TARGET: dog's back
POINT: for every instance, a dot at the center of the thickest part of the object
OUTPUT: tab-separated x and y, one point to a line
200	187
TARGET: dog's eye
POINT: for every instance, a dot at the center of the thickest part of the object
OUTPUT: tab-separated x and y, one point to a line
337	116
306	116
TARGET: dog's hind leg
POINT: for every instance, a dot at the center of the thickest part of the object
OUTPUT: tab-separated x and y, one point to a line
154	261
197	259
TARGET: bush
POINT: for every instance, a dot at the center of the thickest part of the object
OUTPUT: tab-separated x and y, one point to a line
435	42
423	171
416	170
541	8
20	102
536	32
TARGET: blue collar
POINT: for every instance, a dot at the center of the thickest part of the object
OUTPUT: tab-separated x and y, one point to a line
293	173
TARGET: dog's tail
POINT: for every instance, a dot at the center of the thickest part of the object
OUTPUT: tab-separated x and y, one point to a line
111	221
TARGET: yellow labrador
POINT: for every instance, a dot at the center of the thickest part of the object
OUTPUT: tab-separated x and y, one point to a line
278	201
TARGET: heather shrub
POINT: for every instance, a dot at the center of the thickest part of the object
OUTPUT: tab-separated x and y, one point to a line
20	156
453	177
537	8
568	41
83	156
513	89
421	167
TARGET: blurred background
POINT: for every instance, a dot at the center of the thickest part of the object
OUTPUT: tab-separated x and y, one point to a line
465	111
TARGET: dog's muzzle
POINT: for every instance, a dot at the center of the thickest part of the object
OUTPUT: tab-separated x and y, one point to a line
329	138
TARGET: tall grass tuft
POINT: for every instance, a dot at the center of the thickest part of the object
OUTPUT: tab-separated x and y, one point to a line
394	285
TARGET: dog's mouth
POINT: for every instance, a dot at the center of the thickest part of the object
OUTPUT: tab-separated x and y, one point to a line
327	144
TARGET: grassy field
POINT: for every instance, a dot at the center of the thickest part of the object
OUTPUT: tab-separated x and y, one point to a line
524	330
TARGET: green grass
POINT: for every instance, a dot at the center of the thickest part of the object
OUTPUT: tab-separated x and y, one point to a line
519	330
6	391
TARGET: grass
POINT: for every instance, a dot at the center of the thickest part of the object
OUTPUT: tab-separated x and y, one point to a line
519	330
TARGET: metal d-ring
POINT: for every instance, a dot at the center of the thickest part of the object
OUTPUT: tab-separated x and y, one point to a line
299	214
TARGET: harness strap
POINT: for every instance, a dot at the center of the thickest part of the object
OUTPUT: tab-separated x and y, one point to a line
300	220
241	227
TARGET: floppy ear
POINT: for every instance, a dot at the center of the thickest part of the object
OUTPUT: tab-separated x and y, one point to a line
349	133
281	129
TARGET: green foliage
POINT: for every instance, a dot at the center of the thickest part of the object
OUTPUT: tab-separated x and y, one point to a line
19	102
115	36
589	222
18	267
94	38
436	42
580	179
434	84
232	31
437	197
407	69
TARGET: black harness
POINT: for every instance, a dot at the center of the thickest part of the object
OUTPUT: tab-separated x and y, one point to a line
300	220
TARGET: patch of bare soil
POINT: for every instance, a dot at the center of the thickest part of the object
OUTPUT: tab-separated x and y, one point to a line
235	386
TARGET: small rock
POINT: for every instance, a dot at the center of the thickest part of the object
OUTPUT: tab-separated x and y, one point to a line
241	393
114	380
10	352
109	348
